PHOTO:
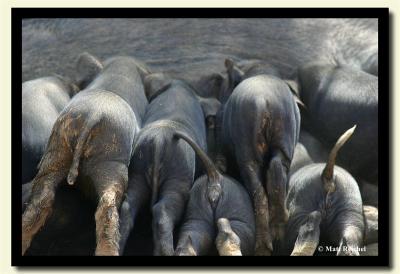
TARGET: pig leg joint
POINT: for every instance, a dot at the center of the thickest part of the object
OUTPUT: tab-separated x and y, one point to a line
163	231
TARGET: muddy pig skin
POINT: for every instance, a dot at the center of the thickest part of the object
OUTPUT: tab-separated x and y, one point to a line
70	230
163	168
325	208
219	211
90	146
42	101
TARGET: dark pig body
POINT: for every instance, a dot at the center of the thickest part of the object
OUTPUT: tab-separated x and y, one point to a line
163	168
325	207
219	210
260	128
336	99
201	218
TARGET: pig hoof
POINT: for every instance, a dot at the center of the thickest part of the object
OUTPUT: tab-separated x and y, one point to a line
278	231
263	248
25	246
26	242
107	251
185	252
262	251
164	252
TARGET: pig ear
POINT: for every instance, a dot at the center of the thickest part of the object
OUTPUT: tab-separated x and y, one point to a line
209	84
294	88
229	63
155	84
210	106
235	74
87	68
71	85
216	81
142	69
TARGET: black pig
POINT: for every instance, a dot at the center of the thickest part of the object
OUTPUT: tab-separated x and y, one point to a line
325	206
93	138
259	127
219	210
337	98
163	168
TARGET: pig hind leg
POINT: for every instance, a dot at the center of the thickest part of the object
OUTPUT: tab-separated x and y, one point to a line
53	170
167	212
136	196
251	174
110	180
246	234
276	192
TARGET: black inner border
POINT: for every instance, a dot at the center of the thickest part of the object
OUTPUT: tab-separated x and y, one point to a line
384	109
